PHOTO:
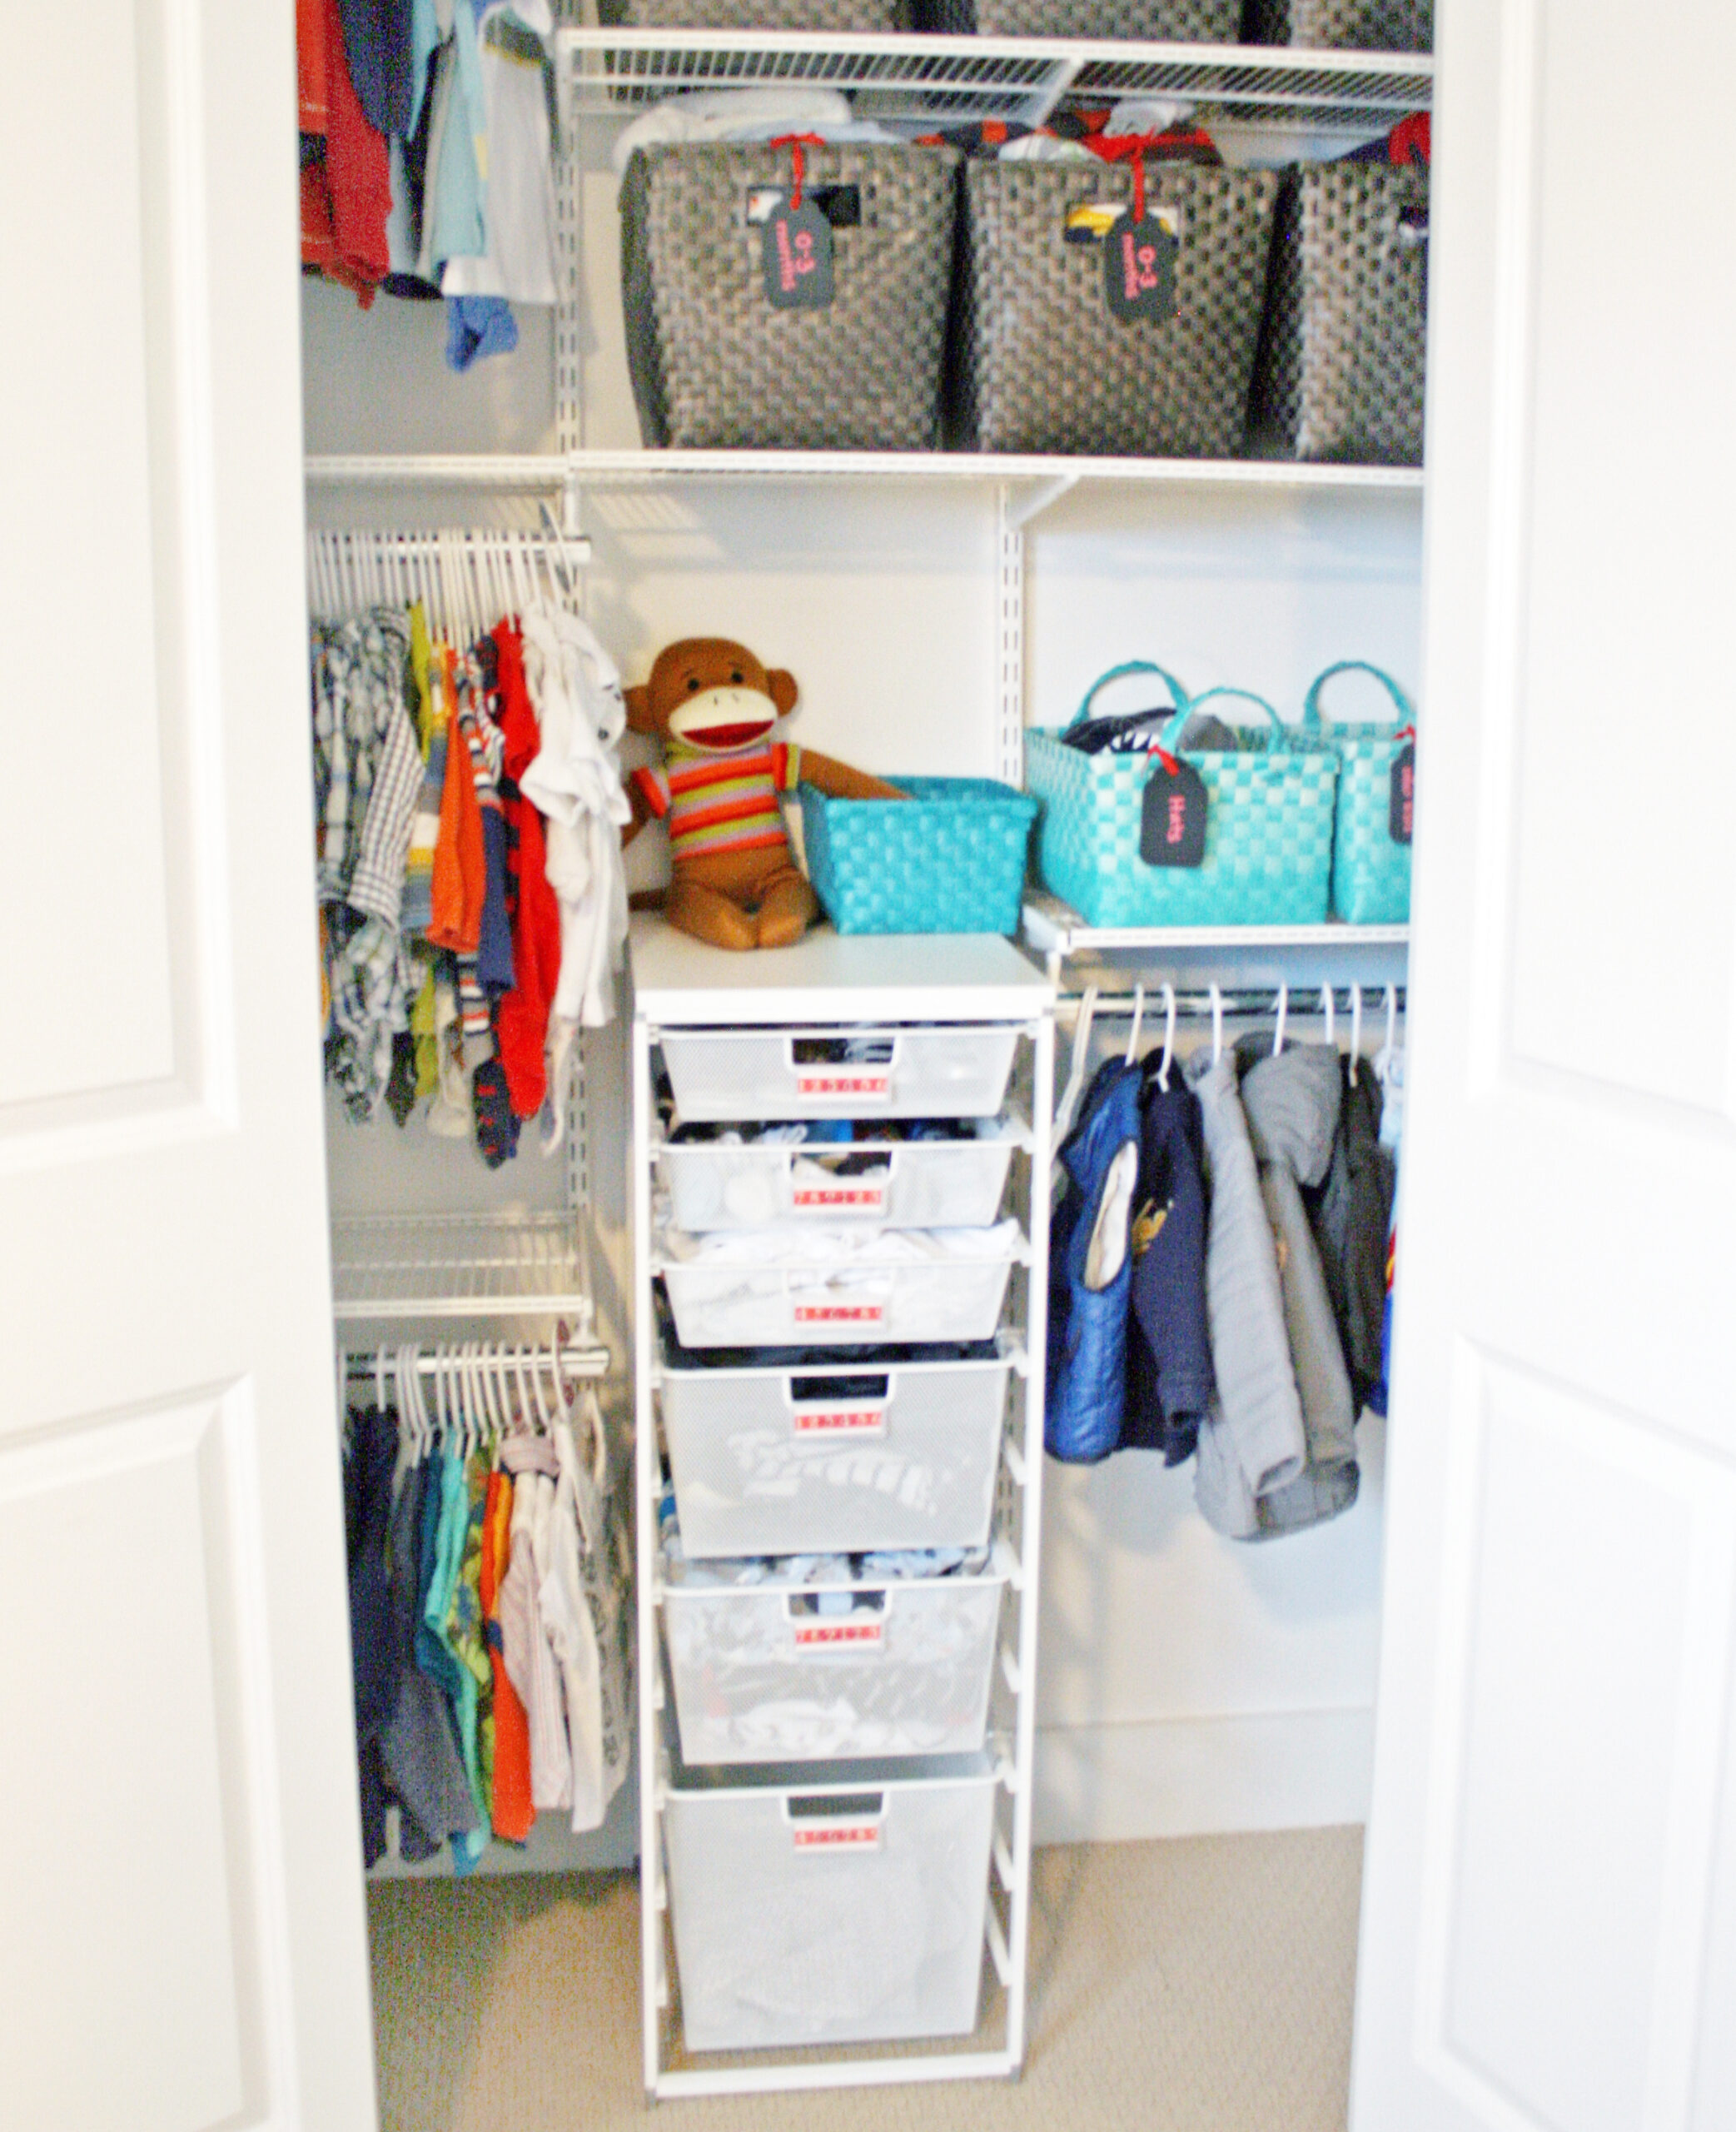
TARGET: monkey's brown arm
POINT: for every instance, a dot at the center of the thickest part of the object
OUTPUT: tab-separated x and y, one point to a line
839	781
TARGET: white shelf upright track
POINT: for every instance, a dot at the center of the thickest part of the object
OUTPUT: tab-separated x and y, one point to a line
910	981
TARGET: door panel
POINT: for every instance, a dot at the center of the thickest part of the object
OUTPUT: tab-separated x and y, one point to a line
178	1827
1549	1905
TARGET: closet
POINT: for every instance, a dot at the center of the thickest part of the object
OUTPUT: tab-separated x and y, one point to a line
932	607
1538	1947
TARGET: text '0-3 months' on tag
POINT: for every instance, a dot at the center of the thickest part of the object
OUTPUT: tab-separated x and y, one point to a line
796	252
1139	269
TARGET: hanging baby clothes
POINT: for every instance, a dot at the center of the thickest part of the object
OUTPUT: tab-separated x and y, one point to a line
367	768
346	173
576	780
1091	1271
528	1658
418	1746
1251	1439
1169	1346
517	79
1351	1212
521	1020
1291	1102
583	1616
369	1460
511	1808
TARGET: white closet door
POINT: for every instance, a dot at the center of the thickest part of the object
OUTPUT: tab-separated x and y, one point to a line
1549	1918
178	1850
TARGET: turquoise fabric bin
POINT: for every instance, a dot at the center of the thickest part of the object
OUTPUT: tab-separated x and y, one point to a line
1370	868
950	859
1270	808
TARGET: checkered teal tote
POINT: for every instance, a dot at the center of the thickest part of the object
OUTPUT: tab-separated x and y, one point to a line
1269	813
1370	870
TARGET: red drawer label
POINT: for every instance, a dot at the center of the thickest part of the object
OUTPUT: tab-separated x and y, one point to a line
833	1198
840	1313
851	1080
839	1420
841	1836
827	1634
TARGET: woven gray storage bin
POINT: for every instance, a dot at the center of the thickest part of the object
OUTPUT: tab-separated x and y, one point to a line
1039	364
714	365
825	15
1339	374
1177	21
1344	25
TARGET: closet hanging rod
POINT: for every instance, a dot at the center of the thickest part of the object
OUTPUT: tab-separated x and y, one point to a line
1232	1002
576	1360
425	546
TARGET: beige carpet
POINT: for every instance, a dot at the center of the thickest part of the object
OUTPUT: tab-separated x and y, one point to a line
1196	1986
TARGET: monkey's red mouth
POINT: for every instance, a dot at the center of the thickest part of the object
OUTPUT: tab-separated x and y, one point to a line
725	737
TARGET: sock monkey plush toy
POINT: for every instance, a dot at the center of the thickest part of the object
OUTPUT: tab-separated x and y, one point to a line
719	715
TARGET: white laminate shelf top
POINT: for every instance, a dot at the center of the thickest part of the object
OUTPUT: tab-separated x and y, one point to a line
828	977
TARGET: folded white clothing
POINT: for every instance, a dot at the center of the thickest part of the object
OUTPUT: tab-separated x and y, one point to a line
1146	115
735	115
1044	148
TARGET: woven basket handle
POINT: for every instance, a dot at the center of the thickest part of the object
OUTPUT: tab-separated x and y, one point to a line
1173	732
1312	719
1178	694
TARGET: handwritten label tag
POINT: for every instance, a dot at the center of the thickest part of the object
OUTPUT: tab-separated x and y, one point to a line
1139	269
796	253
838	1421
1401	801
1172	827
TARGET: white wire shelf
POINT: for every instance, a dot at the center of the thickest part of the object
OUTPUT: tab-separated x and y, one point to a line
1054	930
909	75
636	467
475	470
403	1266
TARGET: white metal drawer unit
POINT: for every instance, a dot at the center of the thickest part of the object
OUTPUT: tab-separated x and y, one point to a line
866	1908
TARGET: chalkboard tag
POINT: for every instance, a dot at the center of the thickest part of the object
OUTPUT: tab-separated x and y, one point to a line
1139	269
796	252
1402	800
1172	827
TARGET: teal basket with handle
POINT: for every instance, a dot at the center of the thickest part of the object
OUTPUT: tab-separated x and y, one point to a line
1269	813
950	859
1370	870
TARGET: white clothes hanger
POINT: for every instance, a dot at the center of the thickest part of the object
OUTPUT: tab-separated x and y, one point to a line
1217	1024
1278	1025
1325	1001
1389	1050
1355	1032
1169	1036
1139	1009
1075	1088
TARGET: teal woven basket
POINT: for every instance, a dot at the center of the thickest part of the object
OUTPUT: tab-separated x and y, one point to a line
1268	829
1370	873
950	859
